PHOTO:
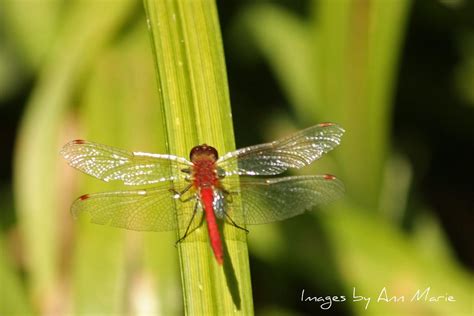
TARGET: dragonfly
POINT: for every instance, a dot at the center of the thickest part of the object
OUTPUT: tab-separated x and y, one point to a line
209	181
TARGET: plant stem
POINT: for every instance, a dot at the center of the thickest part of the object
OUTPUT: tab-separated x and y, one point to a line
192	86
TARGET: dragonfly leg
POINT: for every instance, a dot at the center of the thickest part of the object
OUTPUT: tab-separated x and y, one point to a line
228	195
187	232
186	170
179	195
234	223
220	173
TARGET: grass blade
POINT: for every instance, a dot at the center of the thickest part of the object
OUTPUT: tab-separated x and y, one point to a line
192	86
37	151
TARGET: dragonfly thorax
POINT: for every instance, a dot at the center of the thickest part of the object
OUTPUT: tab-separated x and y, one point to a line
204	172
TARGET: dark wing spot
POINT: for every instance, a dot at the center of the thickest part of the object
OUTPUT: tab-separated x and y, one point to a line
329	177
325	124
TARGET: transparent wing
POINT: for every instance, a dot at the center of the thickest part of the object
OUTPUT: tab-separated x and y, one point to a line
295	151
132	168
143	210
270	200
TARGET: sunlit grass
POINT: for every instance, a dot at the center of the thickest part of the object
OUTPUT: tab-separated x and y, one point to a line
37	144
192	88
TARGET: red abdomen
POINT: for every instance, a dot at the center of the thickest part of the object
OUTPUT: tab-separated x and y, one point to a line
204	180
207	196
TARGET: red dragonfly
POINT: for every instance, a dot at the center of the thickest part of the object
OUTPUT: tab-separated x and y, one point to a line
208	180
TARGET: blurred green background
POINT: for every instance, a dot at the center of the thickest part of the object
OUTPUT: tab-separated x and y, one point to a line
397	75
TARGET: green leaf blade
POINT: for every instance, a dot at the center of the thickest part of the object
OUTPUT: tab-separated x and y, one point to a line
192	86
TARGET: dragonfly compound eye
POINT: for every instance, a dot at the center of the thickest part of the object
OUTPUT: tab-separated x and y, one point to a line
203	150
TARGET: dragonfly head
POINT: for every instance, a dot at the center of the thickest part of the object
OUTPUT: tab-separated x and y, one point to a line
205	151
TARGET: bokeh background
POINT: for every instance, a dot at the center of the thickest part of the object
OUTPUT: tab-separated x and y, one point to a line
397	75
